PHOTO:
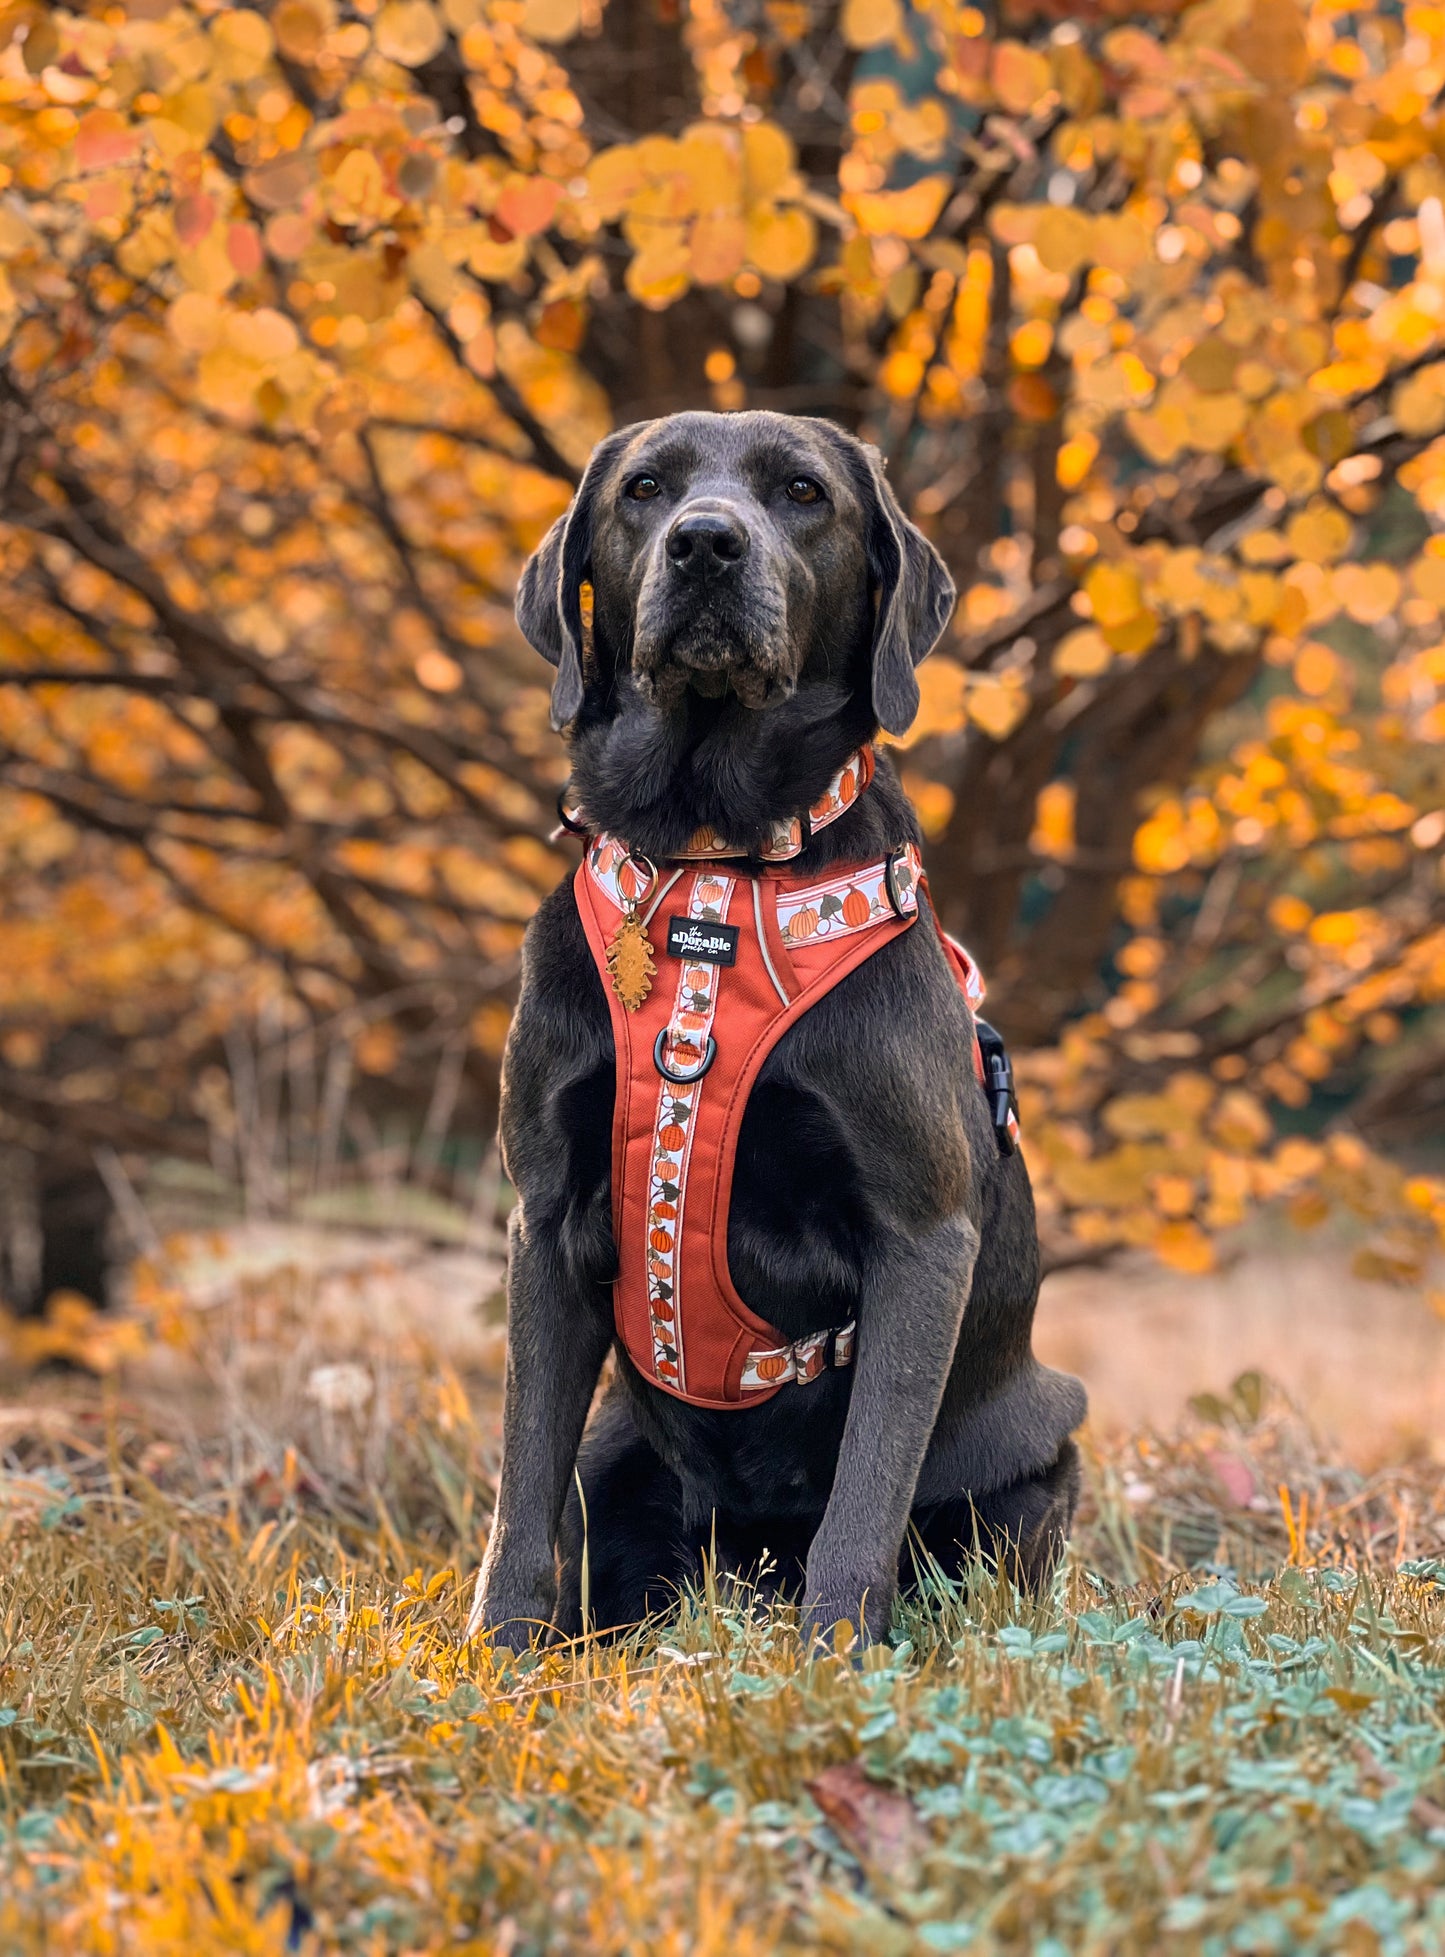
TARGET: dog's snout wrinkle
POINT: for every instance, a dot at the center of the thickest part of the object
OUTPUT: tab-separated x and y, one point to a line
705	543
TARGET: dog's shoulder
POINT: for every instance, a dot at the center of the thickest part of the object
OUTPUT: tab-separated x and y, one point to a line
561	1017
555	942
890	1049
903	1007
557	1070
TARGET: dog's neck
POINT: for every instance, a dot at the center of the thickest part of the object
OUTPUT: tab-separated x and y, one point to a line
655	778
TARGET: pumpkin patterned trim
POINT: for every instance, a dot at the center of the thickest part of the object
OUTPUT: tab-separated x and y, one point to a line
614	872
684	1045
802	1361
845	904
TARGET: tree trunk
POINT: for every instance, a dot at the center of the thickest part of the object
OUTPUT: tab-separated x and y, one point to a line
55	1227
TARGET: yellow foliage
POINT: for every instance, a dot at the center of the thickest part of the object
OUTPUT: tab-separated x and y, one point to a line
997	706
324	307
780	243
1054	820
1114	593
871	23
1020	76
1184	1247
909	213
1083	654
409	31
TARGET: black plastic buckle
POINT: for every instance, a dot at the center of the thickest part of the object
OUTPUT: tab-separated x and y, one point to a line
682	1080
998	1084
890	883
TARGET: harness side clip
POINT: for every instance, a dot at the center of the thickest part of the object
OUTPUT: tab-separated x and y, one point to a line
999	1085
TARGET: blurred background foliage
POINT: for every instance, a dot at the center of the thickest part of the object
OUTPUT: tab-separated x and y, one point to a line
311	313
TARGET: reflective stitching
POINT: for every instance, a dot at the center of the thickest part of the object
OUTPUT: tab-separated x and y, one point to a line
763	942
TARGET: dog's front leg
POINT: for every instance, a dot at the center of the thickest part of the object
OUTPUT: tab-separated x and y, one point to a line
556	1344
908	1323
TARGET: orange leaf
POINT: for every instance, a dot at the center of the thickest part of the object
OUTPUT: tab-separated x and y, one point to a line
243	248
877	1824
193	218
1020	77
104	139
870	23
552	20
1183	1246
527	205
409	32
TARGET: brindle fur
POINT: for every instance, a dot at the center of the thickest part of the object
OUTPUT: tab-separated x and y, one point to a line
726	690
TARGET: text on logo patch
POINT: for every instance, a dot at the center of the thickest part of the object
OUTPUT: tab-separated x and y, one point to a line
710	944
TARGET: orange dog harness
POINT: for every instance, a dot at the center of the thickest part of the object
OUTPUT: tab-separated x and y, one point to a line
747	953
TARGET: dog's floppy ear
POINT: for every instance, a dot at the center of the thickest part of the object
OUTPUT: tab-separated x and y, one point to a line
915	598
549	594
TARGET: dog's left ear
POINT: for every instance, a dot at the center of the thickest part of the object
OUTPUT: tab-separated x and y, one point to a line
915	600
549	593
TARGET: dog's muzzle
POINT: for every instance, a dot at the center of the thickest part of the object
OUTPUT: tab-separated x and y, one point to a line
711	613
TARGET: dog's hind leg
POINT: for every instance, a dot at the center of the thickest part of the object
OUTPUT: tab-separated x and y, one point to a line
637	1552
1024	1526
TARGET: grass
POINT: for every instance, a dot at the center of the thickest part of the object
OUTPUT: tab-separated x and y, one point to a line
235	1715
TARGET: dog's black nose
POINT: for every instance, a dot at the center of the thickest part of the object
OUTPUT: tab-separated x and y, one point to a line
704	542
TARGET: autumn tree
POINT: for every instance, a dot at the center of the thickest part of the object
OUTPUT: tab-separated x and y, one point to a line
312	312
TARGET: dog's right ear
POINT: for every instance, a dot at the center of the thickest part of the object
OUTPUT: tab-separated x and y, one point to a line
549	593
913	591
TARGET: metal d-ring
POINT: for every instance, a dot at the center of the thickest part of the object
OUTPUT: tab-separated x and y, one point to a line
649	869
890	884
682	1080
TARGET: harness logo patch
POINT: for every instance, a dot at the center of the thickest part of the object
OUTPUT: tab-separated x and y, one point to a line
707	944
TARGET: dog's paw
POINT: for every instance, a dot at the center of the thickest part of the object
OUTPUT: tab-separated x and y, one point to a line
510	1616
852	1614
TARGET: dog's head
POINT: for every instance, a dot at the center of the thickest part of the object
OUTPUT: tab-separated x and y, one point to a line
736	556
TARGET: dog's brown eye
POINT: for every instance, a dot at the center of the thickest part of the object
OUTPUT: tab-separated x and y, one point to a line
802	489
643	488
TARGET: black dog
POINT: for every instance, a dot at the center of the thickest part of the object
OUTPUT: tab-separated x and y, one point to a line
760	603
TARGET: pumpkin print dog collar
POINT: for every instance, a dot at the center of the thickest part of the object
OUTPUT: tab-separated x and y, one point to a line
788	836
